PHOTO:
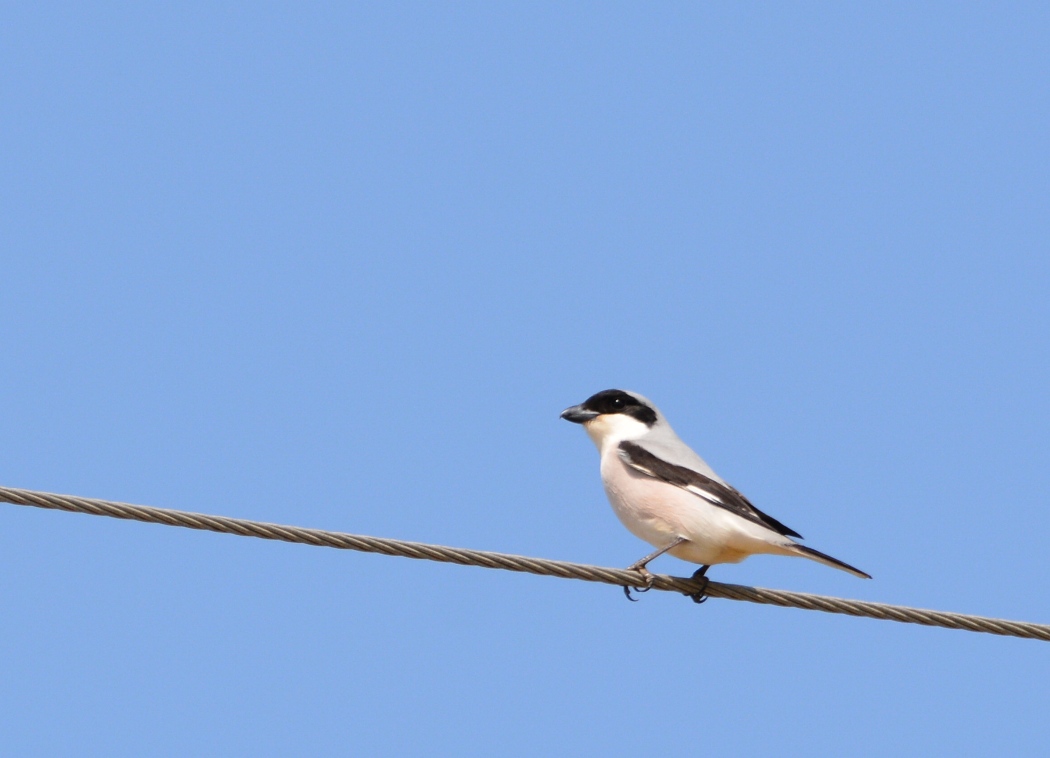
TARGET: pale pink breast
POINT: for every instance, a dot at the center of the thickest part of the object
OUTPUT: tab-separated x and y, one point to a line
659	513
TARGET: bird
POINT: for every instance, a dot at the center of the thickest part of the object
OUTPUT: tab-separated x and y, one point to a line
667	495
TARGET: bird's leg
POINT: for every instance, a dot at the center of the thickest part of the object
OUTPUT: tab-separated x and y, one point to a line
640	567
701	573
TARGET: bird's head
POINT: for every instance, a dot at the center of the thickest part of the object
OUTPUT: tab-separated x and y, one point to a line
614	416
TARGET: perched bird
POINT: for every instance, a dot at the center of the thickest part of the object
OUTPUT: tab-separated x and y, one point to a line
666	494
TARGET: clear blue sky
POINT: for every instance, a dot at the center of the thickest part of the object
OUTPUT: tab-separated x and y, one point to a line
342	267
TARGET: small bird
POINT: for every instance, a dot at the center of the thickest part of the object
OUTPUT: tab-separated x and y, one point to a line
665	494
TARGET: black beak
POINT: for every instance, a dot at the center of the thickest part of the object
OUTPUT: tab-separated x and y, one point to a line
578	415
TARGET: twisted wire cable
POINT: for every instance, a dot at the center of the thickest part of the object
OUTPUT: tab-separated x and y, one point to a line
508	562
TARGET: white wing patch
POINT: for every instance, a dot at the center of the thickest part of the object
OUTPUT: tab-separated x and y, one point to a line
708	496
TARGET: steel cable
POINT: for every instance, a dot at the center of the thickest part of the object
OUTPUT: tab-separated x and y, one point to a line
542	566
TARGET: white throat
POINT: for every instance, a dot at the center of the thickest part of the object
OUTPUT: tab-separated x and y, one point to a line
611	429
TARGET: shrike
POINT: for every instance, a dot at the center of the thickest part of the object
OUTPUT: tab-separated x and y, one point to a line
666	494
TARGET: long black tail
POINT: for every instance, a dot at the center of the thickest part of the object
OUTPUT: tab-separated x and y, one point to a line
827	560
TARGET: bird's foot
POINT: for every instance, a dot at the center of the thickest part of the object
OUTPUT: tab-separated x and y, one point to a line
646	574
700	596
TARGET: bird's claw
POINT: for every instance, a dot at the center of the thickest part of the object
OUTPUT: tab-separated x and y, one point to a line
700	596
649	579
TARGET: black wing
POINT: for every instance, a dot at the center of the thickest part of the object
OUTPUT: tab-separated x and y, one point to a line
716	493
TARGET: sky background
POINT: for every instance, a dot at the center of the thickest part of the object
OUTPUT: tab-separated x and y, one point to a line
342	266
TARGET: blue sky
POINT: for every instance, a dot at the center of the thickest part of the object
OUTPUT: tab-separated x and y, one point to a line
342	266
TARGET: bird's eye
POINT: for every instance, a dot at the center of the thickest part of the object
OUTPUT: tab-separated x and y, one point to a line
617	402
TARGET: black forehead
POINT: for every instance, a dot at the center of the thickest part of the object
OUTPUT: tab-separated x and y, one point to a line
618	401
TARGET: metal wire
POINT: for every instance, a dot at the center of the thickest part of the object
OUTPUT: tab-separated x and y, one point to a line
543	566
